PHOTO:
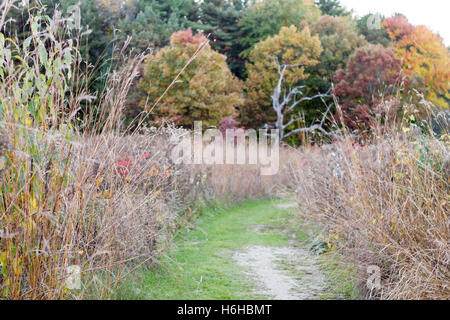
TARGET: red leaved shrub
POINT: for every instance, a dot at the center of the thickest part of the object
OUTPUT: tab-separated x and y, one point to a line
372	75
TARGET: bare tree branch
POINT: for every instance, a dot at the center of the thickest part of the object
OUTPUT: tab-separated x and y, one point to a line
316	127
297	102
284	102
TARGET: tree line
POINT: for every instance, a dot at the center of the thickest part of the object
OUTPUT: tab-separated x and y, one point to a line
244	43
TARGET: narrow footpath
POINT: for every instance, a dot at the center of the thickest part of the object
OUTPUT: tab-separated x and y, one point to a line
257	250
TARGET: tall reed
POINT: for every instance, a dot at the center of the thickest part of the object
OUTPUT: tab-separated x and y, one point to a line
385	204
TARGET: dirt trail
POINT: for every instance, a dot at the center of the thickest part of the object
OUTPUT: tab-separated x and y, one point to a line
282	273
251	251
264	266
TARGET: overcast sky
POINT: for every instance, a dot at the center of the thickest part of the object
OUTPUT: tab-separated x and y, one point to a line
435	14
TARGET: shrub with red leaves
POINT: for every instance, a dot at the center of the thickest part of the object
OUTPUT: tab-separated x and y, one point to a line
124	167
372	75
229	123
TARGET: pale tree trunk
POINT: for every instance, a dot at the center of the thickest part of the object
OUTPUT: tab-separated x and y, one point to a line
284	102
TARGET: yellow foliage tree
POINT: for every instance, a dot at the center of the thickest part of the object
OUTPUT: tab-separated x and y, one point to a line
292	47
423	54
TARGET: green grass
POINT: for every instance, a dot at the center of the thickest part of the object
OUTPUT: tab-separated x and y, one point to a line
200	266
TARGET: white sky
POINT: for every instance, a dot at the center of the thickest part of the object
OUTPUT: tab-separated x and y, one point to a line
435	14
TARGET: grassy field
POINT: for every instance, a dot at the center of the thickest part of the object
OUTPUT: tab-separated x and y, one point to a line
201	264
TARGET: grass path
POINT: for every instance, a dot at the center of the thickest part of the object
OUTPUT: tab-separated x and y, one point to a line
255	250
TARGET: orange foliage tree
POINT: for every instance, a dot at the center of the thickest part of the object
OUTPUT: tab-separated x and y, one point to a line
206	90
424	55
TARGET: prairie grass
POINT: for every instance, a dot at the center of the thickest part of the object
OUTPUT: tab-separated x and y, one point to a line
384	204
60	196
75	187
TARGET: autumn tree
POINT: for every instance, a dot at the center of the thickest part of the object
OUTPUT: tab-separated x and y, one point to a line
423	54
205	90
372	74
155	21
339	38
289	47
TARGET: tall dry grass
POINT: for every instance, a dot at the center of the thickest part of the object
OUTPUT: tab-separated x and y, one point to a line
385	204
61	202
77	189
233	183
